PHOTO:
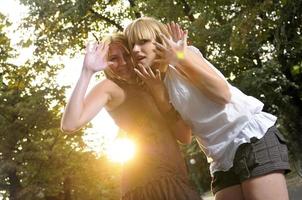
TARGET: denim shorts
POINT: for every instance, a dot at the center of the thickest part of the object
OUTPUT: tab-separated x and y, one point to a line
259	157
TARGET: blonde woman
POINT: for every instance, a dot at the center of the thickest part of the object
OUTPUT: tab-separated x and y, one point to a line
247	154
158	170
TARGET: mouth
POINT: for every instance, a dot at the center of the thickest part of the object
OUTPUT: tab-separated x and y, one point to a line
122	71
139	58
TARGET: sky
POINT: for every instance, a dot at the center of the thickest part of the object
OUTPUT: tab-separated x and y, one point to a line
103	126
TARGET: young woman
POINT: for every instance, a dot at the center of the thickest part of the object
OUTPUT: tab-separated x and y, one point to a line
246	152
158	170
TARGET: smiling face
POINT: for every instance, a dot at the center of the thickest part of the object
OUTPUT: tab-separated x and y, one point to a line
120	58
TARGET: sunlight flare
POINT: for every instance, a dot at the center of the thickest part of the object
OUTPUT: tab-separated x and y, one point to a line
121	150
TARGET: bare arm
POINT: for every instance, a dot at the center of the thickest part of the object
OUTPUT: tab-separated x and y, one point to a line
81	108
204	77
193	65
178	126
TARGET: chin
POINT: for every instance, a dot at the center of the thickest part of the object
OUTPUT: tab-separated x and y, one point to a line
145	64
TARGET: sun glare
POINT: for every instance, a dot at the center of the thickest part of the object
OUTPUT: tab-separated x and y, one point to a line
121	150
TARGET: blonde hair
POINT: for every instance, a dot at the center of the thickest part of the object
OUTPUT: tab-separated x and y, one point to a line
121	40
145	28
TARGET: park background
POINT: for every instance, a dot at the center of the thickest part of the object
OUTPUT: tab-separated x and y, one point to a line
256	44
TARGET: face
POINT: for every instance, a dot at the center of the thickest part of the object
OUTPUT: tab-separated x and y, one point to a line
143	52
121	62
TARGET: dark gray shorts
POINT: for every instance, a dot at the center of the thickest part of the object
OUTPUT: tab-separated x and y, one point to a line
260	157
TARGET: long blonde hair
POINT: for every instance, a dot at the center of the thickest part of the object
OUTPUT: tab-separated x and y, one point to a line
121	40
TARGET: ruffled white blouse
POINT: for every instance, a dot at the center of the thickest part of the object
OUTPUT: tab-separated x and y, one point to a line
221	129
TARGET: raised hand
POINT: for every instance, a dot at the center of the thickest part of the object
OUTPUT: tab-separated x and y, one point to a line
176	32
155	84
148	76
172	52
96	57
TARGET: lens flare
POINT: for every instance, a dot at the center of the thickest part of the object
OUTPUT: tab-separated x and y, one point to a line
121	150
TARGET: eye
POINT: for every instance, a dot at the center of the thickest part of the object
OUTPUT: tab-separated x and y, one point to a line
112	58
142	41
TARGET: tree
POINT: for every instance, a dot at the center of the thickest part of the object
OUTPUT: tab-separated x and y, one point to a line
37	161
256	44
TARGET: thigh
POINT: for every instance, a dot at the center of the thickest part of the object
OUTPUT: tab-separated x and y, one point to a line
224	179
271	186
232	192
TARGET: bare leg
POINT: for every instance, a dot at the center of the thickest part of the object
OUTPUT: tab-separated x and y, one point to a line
267	187
233	193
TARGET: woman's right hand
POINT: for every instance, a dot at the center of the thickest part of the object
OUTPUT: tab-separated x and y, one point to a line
96	57
155	85
151	79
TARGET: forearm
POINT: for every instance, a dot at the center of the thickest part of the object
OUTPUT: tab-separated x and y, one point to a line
177	125
71	119
180	129
204	77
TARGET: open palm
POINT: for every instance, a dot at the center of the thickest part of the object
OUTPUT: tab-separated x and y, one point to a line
172	52
96	57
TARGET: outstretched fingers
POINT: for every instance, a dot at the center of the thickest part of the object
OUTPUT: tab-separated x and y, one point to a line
178	31
145	73
150	72
159	46
141	71
170	30
185	38
139	74
175	30
158	74
166	40
103	48
88	47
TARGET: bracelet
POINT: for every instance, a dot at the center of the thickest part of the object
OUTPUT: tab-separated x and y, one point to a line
172	116
180	55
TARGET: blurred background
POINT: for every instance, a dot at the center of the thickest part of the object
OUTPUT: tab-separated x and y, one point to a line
256	44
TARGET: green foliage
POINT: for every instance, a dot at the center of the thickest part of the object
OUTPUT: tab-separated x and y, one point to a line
64	25
5	48
37	161
197	165
257	44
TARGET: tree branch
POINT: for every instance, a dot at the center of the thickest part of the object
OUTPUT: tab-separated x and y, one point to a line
187	10
4	186
132	5
108	20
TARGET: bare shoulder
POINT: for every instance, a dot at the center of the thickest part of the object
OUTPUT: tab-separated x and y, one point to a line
115	92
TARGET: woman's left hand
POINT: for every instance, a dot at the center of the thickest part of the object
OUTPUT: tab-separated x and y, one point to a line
176	31
173	52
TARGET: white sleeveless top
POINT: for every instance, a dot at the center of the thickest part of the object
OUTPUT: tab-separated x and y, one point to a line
221	129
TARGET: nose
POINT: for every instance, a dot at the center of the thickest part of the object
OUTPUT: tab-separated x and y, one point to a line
136	48
123	61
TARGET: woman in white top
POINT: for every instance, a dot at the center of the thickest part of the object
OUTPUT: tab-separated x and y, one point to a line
221	116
